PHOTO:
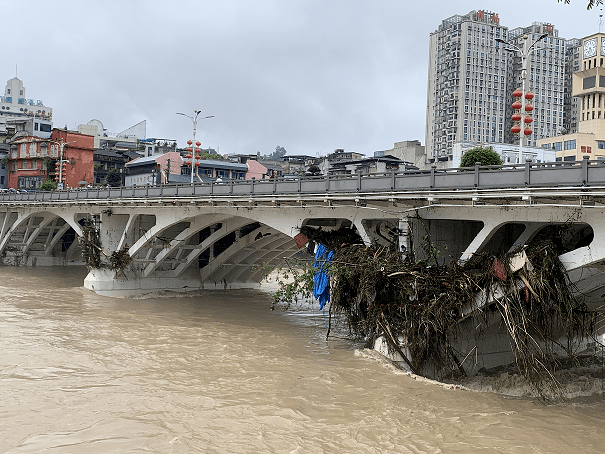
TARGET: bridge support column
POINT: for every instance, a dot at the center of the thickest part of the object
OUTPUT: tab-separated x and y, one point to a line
404	237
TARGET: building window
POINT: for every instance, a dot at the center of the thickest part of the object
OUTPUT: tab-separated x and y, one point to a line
601	145
24	164
557	146
34	164
570	144
585	149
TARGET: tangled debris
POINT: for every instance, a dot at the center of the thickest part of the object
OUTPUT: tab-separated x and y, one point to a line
93	253
419	304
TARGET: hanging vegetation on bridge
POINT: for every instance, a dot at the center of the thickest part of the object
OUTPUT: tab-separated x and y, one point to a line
93	253
419	304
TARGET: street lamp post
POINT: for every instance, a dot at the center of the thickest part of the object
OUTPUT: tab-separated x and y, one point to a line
522	106
193	148
62	162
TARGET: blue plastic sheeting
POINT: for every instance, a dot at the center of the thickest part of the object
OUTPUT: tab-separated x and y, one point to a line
321	289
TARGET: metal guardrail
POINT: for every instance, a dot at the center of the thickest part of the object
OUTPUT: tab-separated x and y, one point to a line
551	174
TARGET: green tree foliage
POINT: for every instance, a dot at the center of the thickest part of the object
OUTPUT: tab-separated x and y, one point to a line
314	170
48	185
211	156
590	5
279	152
485	155
114	179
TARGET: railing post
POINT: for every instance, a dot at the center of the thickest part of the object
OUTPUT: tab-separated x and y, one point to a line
393	173
433	169
585	170
231	186
299	184
527	172
274	184
328	183
477	164
359	181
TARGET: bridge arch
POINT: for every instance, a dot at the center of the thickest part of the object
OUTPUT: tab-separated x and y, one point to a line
44	237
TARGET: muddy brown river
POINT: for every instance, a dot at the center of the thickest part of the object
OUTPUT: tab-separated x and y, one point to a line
218	372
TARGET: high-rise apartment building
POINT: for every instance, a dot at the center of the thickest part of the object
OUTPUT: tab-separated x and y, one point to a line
573	59
472	77
466	83
545	79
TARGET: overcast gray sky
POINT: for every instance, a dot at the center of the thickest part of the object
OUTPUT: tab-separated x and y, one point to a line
309	75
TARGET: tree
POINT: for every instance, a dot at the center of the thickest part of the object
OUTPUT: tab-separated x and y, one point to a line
279	152
114	179
591	3
485	155
314	170
48	185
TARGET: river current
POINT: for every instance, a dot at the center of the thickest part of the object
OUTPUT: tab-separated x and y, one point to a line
218	372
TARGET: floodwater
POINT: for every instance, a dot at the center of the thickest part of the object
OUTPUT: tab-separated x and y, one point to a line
218	372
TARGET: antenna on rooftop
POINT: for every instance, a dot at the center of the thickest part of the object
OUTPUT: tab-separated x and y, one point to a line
601	21
16	75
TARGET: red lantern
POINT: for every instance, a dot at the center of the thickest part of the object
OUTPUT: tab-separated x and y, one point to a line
528	107
197	156
517	105
197	150
529	95
198	143
188	149
517	93
189	142
527	131
516	129
516	117
197	164
188	156
528	119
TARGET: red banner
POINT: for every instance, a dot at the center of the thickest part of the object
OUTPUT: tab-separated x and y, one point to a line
300	240
499	270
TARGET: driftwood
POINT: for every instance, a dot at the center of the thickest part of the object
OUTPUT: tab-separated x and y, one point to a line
422	302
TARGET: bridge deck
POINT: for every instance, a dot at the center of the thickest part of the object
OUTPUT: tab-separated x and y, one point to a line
529	175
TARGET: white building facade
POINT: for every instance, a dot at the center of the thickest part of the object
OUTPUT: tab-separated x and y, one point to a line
472	76
545	79
14	105
466	83
507	152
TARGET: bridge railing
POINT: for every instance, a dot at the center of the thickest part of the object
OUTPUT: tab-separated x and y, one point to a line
550	174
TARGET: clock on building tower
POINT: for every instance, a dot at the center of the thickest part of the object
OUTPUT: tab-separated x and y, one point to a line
590	48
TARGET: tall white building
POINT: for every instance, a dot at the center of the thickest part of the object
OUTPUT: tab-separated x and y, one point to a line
466	83
472	76
545	79
573	59
15	107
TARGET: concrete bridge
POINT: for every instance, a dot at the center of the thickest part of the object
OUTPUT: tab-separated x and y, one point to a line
228	235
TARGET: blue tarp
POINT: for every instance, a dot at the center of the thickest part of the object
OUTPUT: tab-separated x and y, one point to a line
321	289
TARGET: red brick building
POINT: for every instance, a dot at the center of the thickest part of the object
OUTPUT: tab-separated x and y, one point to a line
33	159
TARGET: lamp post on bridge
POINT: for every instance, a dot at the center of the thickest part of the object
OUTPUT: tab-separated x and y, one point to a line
61	162
521	106
193	148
